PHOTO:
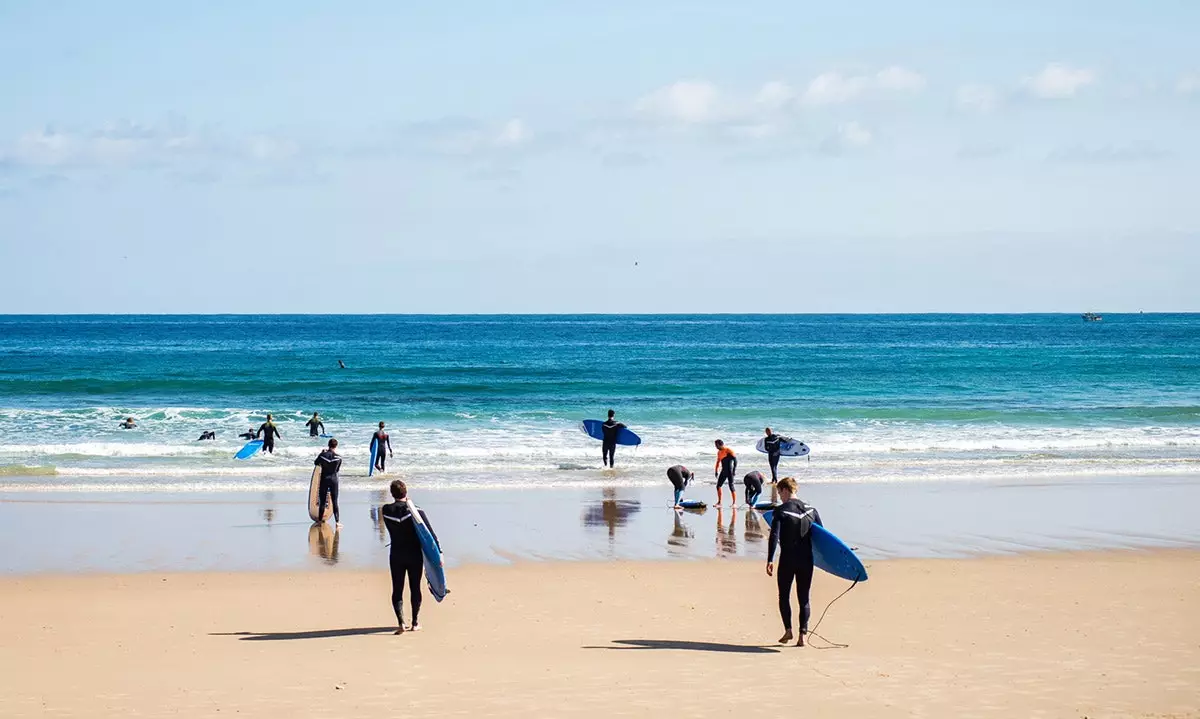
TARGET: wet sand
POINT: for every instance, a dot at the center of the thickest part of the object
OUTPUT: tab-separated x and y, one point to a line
1095	634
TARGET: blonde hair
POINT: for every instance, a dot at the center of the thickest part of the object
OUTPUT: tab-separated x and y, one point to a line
787	483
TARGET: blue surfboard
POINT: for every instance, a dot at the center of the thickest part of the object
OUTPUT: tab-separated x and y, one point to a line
692	504
374	449
832	554
252	447
594	428
435	570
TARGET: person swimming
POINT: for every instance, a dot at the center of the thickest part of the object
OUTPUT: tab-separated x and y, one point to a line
406	558
680	477
608	447
791	530
207	434
315	426
754	486
269	432
128	424
248	434
725	469
330	464
382	441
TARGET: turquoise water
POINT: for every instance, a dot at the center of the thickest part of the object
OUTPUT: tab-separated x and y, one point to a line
495	401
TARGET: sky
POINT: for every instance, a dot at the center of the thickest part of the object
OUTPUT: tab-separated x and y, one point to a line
542	156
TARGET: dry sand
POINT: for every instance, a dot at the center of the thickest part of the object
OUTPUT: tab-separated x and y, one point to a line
1053	635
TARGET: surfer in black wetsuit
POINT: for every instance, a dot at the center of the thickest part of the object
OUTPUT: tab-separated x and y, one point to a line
269	432
128	424
330	464
608	448
754	484
725	469
406	559
680	477
315	426
382	441
791	530
772	444
248	434
206	434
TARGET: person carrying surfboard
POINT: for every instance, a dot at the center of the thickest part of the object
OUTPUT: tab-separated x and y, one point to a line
330	464
381	441
608	448
406	558
791	531
269	432
724	470
773	445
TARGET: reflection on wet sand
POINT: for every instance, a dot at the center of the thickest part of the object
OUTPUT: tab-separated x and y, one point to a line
383	498
726	537
323	542
754	527
610	512
681	535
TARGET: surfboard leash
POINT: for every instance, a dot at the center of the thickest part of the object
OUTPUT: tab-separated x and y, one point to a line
813	632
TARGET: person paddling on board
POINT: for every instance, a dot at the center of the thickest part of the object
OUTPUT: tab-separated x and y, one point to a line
791	530
382	441
725	468
248	434
608	448
315	426
330	464
269	432
680	477
773	444
128	424
406	559
754	486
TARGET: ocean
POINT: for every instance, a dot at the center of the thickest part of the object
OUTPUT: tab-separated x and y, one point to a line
495	401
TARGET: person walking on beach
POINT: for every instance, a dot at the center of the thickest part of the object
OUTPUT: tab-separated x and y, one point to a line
382	441
315	426
791	530
269	432
754	485
330	464
608	447
406	558
772	444
680	477
725	469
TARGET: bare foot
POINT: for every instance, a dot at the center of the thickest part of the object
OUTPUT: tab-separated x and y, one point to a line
400	630
416	627
800	641
787	637
339	525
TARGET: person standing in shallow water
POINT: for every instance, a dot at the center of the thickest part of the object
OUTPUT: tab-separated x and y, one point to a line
315	426
608	447
269	432
791	530
406	559
330	464
383	447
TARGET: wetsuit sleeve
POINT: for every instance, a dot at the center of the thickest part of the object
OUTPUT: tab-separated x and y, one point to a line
322	427
429	526
773	540
276	431
816	517
261	430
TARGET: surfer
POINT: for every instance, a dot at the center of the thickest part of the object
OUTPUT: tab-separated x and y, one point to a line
269	432
381	439
128	424
754	485
772	445
341	364
724	469
791	529
330	464
315	426
608	448
406	559
680	477
248	434
206	434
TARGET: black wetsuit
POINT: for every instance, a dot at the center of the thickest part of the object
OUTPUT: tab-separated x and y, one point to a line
249	434
269	432
754	485
791	529
207	434
406	559
312	425
608	449
382	445
771	444
330	464
680	477
728	470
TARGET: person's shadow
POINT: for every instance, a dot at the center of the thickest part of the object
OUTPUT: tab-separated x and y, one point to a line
680	644
311	634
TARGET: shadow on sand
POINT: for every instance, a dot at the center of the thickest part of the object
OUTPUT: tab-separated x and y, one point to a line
689	646
314	634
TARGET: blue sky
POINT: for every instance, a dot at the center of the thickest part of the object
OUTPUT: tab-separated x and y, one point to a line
523	156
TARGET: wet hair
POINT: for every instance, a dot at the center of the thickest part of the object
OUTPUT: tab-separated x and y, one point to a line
399	489
720	443
381	425
767	430
787	483
611	413
332	443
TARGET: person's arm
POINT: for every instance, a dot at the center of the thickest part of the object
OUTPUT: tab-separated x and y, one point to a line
389	445
717	466
275	429
772	541
322	427
816	517
259	431
317	462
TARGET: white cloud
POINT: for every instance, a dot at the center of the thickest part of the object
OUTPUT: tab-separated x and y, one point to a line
977	98
690	102
853	134
513	133
775	95
835	88
1058	81
1189	84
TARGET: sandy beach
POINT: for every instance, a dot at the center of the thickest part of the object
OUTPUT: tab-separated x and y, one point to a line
1095	634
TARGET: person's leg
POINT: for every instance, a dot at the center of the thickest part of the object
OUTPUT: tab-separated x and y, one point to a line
414	587
381	459
804	575
678	495
784	576
732	474
398	572
322	493
773	459
333	497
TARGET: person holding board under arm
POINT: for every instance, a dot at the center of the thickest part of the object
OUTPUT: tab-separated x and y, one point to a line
330	464
406	559
608	449
791	531
383	447
772	443
724	470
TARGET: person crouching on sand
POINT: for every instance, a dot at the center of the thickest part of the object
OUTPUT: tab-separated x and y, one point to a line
791	530
680	477
406	559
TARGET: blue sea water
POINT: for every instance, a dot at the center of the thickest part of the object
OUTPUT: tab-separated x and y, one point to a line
496	400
